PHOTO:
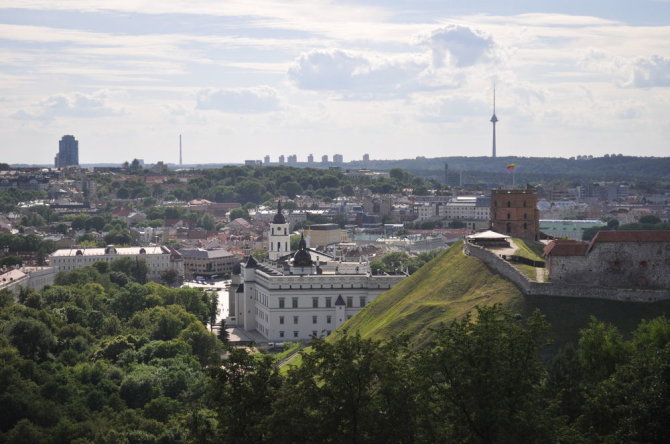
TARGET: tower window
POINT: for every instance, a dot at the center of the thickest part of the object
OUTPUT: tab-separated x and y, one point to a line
509	204
509	216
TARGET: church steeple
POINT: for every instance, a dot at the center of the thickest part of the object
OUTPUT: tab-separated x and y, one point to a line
494	119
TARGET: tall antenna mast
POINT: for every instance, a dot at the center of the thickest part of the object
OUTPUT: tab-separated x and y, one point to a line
494	119
180	158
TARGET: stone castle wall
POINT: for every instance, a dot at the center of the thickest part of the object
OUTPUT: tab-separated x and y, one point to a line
617	264
530	288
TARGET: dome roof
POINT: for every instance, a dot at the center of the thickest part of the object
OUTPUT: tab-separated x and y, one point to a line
302	257
279	217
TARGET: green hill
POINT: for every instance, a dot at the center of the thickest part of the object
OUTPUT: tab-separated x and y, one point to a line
444	289
452	284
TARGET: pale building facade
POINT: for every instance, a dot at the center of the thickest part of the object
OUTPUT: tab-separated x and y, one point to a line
301	295
158	258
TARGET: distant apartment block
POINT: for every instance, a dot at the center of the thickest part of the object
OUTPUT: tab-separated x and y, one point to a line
68	152
338	158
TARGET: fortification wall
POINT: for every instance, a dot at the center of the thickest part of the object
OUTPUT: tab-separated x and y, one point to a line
530	288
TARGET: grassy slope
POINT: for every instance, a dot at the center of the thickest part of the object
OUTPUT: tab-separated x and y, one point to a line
444	289
453	284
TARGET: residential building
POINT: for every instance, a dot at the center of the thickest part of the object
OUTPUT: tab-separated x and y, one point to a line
210	263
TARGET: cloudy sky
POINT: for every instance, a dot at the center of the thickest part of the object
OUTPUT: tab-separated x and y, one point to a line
393	78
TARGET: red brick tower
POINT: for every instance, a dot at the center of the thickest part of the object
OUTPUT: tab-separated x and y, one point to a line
514	212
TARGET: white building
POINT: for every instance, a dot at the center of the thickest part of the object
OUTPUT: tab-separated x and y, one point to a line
301	295
159	259
467	208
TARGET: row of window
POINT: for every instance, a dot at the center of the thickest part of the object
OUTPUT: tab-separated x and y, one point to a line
296	333
315	320
362	301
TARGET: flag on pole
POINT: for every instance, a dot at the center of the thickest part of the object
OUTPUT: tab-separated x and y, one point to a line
511	166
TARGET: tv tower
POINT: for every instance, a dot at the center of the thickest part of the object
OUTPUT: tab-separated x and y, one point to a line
494	119
180	158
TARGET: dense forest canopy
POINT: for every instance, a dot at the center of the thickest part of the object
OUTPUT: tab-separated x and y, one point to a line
101	357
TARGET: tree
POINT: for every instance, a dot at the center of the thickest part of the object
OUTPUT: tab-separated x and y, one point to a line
31	337
359	390
481	379
236	213
223	333
213	308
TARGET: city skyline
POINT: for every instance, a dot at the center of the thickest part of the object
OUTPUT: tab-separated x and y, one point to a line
397	79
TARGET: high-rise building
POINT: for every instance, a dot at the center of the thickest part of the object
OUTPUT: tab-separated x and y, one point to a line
310	158
281	159
266	160
292	158
366	157
68	152
338	158
324	158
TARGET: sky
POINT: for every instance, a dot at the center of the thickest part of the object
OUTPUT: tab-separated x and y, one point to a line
241	79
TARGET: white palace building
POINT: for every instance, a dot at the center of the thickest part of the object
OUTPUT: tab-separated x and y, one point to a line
300	295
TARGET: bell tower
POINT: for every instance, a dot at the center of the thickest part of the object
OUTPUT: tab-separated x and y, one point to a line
279	237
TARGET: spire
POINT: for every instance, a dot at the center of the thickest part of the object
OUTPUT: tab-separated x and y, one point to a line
279	217
494	119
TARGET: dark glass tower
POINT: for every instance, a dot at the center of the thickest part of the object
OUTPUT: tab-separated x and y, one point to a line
68	152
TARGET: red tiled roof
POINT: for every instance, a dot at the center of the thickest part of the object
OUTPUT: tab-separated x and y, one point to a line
632	236
566	247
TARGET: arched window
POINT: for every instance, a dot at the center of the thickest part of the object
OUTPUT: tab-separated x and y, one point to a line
524	204
509	227
525	226
525	215
509	204
509	216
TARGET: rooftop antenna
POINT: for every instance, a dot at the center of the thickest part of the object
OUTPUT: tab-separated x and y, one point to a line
494	119
180	158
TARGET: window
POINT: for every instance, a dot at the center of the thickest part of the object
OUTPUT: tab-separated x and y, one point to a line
328	302
362	301
314	333
329	319
315	302
314	319
525	226
327	332
509	227
281	334
350	301
281	319
295	319
281	302
509	216
525	215
295	334
294	302
509	204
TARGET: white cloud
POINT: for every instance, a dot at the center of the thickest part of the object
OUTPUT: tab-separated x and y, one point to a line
460	46
652	71
77	105
260	99
357	73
